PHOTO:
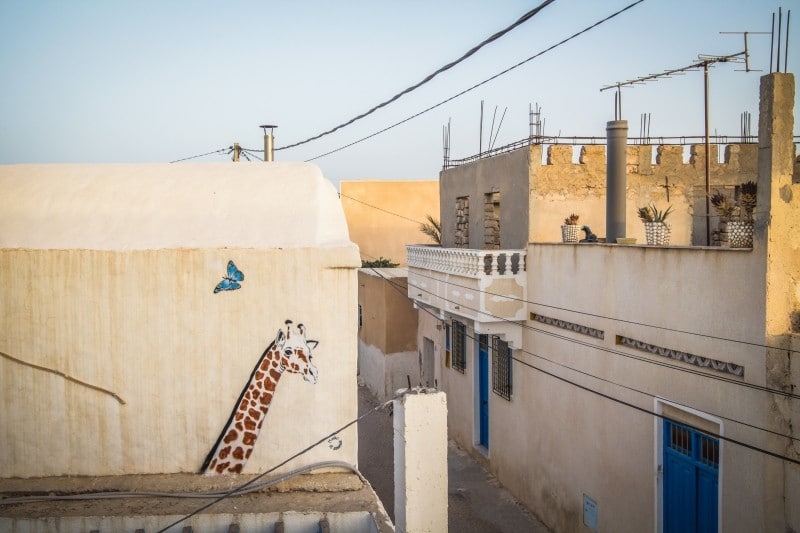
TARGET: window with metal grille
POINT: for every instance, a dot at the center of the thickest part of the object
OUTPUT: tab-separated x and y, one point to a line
693	444
448	353
459	356
501	368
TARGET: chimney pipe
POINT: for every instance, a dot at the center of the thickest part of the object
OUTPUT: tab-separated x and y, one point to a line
616	178
269	141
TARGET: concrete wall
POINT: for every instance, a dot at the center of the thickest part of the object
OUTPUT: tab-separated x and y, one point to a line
387	343
118	356
559	439
372	209
561	187
540	195
505	174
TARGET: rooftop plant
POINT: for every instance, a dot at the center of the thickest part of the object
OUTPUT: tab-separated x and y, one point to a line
650	213
571	220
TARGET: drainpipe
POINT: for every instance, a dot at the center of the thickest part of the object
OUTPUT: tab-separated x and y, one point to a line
269	142
616	178
420	461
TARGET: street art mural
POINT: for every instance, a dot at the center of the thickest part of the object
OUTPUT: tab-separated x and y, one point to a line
230	282
289	352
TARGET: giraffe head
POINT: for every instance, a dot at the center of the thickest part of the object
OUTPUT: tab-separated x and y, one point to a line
295	352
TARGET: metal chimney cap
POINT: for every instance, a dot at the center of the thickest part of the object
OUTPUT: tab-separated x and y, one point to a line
265	126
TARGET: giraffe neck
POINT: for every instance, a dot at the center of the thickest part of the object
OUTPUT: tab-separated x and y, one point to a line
237	440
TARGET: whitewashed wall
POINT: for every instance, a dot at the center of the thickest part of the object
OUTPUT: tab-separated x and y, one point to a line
117	355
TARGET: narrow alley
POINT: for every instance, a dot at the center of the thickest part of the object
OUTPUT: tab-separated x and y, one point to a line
476	502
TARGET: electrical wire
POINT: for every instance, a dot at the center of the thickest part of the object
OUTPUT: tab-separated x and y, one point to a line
524	18
593	346
479	84
342	195
227	150
636	407
584	313
180	495
282	463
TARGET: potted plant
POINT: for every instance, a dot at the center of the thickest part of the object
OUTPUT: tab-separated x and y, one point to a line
740	229
735	227
570	232
655	227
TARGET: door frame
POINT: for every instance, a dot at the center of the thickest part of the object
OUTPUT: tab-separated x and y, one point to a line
658	433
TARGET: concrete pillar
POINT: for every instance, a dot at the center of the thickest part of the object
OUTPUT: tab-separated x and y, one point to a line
420	461
776	242
616	178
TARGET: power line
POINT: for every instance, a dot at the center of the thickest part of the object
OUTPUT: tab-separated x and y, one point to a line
487	80
308	448
584	313
627	355
342	195
221	150
524	18
401	289
636	407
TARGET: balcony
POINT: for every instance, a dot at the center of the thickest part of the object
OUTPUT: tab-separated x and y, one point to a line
486	286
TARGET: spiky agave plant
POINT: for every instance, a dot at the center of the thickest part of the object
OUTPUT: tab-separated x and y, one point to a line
747	199
723	205
650	213
571	220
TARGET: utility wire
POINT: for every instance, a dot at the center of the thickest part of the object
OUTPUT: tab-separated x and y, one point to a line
615	319
342	195
401	289
584	313
524	18
308	448
636	407
487	80
627	355
220	151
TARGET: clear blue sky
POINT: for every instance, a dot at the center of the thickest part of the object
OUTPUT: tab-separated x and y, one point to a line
155	81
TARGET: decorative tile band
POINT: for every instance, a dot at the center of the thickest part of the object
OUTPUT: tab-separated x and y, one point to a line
692	359
571	326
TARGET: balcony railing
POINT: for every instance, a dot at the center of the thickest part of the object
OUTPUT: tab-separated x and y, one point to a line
467	262
487	286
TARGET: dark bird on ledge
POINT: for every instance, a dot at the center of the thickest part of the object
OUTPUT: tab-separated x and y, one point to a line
590	237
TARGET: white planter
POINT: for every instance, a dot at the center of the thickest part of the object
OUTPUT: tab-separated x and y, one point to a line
570	233
740	234
657	233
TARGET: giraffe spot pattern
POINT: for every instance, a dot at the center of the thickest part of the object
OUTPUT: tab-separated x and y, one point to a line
238	453
249	438
237	468
232	435
223	453
250	424
222	466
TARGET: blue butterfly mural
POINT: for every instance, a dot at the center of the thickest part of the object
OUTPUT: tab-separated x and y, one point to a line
231	281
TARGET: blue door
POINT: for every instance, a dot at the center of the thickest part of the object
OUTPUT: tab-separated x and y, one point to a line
483	389
691	474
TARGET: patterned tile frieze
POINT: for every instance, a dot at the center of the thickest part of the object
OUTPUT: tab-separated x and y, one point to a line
692	359
571	326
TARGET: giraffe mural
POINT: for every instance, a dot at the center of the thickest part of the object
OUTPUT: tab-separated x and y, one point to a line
290	351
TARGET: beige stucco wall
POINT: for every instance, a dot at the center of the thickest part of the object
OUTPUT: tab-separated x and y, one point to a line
372	209
387	343
119	358
560	187
555	441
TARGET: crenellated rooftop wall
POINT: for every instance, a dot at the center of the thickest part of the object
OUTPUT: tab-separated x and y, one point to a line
560	186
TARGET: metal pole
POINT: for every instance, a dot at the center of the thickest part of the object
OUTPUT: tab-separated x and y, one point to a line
616	179
708	160
269	140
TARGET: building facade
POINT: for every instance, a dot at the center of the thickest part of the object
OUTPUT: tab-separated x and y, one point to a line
624	387
148	311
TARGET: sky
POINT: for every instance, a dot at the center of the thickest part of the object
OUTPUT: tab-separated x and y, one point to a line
160	80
